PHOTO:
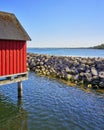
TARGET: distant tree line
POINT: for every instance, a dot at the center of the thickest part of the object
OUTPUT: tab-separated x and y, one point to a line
98	46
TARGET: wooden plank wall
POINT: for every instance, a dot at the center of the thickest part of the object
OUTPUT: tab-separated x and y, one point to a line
12	57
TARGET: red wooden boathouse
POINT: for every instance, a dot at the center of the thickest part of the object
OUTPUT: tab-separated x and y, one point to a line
13	39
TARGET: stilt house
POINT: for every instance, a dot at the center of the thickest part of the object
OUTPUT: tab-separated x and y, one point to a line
13	39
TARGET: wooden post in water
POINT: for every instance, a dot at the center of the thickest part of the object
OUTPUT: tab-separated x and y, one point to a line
20	89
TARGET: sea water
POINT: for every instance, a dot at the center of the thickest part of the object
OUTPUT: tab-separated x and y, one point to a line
68	52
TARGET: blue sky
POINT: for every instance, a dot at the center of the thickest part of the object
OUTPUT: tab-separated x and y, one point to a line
60	23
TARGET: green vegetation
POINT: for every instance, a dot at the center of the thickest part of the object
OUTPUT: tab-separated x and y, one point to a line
98	47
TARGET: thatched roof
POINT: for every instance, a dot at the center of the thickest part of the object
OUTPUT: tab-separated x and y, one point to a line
11	29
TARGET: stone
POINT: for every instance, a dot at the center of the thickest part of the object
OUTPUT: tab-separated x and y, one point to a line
28	69
73	72
95	77
81	69
94	71
81	74
89	85
75	63
34	68
69	76
101	84
88	77
101	74
90	63
87	66
89	71
67	69
76	77
95	86
80	82
32	64
99	65
41	63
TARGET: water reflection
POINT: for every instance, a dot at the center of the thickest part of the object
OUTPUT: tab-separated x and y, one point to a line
12	117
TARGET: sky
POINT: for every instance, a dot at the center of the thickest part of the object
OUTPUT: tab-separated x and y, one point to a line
59	23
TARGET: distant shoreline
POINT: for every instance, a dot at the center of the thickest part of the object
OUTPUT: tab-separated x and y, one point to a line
64	48
60	47
94	47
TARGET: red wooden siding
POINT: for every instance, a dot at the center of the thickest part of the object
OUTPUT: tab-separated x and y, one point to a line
0	60
12	57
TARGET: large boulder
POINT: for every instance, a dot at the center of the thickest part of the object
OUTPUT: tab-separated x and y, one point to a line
88	77
94	71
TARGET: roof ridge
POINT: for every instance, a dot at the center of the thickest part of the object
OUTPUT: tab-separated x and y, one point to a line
6	12
11	28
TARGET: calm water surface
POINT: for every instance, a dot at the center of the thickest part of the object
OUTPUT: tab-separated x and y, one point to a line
68	52
50	105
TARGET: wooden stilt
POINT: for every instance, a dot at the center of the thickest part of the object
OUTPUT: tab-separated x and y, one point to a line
20	89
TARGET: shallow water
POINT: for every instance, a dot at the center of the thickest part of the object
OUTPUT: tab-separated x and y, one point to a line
50	105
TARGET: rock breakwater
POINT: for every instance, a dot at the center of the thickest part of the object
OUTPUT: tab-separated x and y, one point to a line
86	71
